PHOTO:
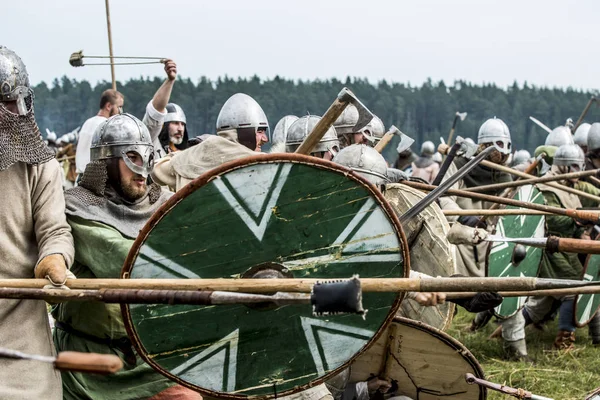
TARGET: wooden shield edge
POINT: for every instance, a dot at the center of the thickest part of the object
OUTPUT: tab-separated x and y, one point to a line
452	342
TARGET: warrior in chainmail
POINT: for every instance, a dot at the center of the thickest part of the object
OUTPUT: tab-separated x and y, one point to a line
36	239
106	212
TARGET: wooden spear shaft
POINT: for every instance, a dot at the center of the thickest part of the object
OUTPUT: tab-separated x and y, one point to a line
382	285
550	292
581	214
533	181
444	149
495	212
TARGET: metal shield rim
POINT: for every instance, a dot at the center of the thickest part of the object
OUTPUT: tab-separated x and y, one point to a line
206	178
452	342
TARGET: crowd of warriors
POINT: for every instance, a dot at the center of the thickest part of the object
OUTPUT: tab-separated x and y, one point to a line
125	168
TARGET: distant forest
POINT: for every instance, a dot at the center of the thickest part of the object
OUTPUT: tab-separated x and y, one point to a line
423	112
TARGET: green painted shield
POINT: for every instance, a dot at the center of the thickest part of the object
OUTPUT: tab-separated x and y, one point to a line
313	217
586	305
500	258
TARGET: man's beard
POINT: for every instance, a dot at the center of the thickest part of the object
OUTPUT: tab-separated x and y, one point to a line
131	191
175	140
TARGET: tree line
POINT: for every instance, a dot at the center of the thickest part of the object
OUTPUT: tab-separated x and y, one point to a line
423	112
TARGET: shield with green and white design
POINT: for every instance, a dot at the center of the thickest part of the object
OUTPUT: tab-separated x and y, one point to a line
501	261
313	218
586	305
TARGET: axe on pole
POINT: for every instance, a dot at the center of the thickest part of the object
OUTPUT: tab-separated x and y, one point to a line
387	138
457	116
344	98
584	112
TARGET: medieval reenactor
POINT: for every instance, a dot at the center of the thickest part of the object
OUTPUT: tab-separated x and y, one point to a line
36	239
424	167
174	134
561	265
106	213
241	130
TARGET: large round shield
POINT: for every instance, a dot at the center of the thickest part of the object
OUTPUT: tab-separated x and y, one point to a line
425	362
586	305
595	395
507	260
303	217
430	251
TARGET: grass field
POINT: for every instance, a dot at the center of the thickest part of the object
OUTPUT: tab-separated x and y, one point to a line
558	375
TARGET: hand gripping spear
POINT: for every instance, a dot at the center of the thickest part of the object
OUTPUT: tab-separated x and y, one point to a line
92	363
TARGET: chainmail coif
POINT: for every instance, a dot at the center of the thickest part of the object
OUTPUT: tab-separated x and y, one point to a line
20	138
93	185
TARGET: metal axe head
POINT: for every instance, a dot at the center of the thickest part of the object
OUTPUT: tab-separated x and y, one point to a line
461	115
405	141
364	115
467	149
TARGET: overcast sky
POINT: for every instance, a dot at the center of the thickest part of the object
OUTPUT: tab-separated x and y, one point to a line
544	42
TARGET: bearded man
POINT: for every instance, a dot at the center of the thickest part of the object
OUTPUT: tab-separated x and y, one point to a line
36	239
174	134
106	213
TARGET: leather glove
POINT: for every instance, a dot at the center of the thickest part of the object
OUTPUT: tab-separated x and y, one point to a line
472	221
480	302
53	268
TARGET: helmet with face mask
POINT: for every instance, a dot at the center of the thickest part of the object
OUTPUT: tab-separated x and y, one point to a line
20	138
571	156
495	131
374	130
300	129
119	135
365	161
559	136
242	113
281	129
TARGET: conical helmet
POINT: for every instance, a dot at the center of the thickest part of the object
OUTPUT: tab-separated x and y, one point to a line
346	121
300	129
559	136
364	160
280	130
581	134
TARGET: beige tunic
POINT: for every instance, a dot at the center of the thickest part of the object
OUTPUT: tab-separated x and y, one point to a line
32	217
180	168
470	260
